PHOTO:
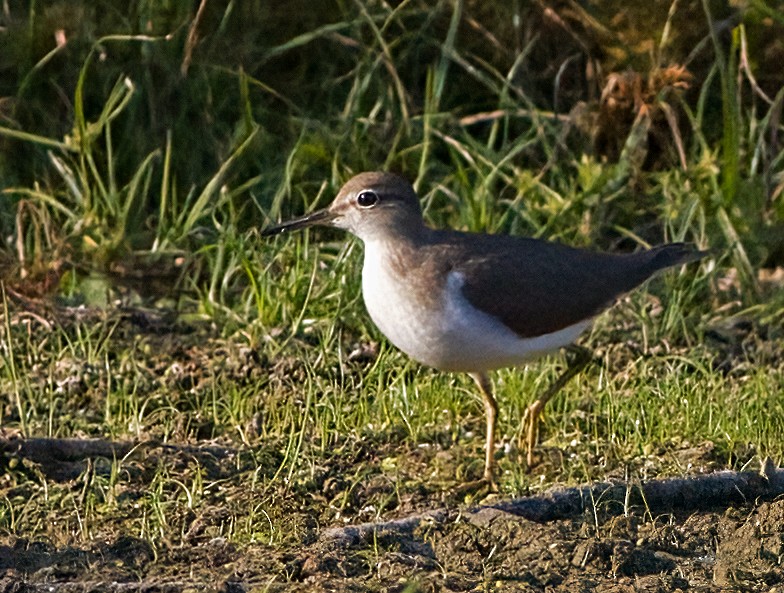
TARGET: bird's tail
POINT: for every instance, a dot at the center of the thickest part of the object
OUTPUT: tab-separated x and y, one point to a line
673	254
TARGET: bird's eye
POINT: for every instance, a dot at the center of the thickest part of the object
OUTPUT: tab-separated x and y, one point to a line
367	199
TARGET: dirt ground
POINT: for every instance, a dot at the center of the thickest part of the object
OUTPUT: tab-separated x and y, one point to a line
725	548
737	549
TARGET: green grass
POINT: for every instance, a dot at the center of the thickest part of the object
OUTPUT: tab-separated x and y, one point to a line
255	354
307	415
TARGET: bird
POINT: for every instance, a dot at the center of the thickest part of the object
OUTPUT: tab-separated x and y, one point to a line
473	302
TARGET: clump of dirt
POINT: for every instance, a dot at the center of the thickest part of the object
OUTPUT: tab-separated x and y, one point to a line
706	551
751	546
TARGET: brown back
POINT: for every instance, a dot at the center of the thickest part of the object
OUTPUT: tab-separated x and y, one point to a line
537	287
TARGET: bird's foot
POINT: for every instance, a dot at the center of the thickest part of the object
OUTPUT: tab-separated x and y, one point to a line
531	461
477	488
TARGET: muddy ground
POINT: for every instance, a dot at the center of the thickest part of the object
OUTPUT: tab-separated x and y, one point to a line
47	542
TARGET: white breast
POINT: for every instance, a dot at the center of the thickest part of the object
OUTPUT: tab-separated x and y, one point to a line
453	336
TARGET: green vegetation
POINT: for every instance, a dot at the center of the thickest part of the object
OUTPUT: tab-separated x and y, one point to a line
143	145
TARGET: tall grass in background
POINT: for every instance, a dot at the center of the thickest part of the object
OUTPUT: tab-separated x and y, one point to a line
183	132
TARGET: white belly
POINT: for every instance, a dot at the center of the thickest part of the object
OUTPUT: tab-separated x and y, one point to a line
453	336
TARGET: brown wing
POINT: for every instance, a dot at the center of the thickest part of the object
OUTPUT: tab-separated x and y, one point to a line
537	287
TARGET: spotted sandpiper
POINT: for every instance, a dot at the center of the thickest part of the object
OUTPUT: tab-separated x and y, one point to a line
471	302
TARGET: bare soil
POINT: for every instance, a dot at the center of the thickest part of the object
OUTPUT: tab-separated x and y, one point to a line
736	549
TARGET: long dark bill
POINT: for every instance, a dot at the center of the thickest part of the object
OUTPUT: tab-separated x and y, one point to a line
317	217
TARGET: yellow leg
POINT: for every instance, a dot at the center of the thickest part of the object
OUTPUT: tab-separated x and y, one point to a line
581	358
491	414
